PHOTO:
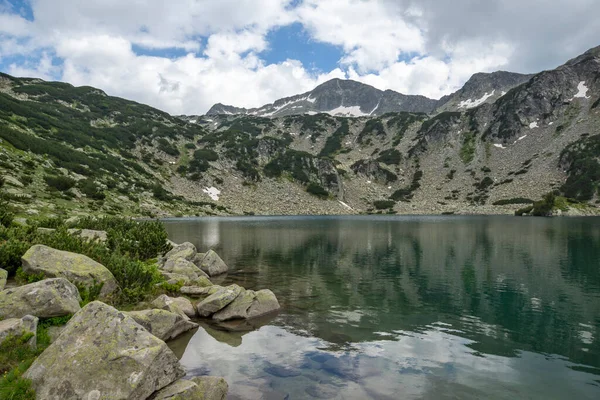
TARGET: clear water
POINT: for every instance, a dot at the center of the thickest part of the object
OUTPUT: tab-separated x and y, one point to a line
407	307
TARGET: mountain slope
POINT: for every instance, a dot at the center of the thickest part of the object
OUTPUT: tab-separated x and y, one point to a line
67	149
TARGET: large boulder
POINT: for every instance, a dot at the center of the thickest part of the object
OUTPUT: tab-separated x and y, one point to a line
175	279
163	324
17	327
44	299
199	292
181	266
103	354
212	264
211	387
90	235
249	304
177	305
3	278
218	300
185	250
77	268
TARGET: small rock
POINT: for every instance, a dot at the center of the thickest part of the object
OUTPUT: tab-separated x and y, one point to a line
19	327
44	299
212	264
211	387
177	305
3	278
163	324
218	300
77	268
103	354
91	235
72	220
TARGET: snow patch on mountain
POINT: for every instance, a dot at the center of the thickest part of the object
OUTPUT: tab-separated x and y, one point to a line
581	91
342	111
212	192
469	103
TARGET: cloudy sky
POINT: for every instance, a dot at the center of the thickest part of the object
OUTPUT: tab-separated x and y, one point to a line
182	56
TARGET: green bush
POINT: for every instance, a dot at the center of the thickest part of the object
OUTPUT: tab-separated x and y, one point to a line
390	157
60	183
11	252
317	190
467	150
384	204
91	190
166	147
160	193
516	200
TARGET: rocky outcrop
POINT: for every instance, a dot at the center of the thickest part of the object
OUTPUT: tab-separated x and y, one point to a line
249	304
17	327
163	324
218	300
212	264
177	305
3	278
44	299
211	387
77	268
103	354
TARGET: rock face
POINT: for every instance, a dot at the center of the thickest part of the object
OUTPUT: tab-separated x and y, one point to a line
77	268
221	298
3	278
17	327
212	264
177	305
249	304
103	354
163	324
211	387
44	299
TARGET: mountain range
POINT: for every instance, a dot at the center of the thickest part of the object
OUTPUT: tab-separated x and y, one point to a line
499	143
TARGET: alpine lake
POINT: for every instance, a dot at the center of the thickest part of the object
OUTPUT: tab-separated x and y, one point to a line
397	307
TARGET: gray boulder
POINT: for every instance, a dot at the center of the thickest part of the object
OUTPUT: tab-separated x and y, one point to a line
177	305
185	250
212	264
103	354
163	324
44	299
3	278
77	268
249	304
218	300
181	266
199	292
198	259
91	235
211	387
17	327
179	390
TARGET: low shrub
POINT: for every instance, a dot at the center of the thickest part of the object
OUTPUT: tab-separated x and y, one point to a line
516	200
317	190
384	204
59	182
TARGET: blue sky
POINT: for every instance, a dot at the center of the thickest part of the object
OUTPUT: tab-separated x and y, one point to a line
182	56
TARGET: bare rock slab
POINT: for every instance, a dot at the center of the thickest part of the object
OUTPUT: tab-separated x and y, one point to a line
44	299
163	324
103	354
77	268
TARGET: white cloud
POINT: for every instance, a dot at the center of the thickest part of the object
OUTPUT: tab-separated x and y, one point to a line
426	47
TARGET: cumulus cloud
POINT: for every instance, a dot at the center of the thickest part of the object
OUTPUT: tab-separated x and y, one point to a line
185	55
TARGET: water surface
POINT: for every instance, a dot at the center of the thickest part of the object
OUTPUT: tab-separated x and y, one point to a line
407	307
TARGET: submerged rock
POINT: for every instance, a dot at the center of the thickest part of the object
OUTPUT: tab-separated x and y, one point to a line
218	300
103	354
177	305
212	264
211	387
44	299
3	278
77	268
249	304
17	327
163	324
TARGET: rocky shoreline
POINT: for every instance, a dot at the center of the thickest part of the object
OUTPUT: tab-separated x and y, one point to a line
124	351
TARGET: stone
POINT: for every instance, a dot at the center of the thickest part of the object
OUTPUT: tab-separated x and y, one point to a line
199	292
54	332
3	278
77	268
177	305
91	235
249	304
163	324
45	231
179	390
103	354
198	259
185	250
17	327
211	387
212	264
72	220
44	299
218	300
181	266
11	180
